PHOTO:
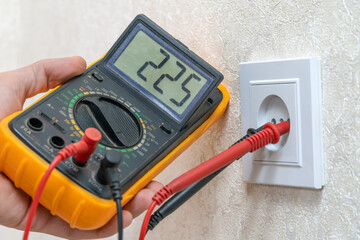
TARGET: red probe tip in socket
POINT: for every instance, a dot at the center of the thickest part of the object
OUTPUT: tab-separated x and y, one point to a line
87	144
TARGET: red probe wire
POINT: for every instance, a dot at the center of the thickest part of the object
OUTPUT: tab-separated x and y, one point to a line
82	151
270	134
36	198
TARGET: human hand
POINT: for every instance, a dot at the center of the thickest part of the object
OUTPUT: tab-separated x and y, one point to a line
15	87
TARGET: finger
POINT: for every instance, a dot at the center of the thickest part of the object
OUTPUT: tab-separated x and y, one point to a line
127	218
140	202
46	74
155	186
46	223
39	77
14	203
143	199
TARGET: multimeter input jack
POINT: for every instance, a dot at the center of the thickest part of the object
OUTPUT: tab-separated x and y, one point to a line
77	163
57	142
35	124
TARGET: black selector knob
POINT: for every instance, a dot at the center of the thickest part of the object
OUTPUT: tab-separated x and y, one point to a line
118	125
109	168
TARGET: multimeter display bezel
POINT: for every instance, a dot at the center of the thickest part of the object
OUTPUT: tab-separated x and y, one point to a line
161	37
206	79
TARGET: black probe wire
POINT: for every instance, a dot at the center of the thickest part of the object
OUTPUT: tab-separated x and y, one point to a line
120	218
180	198
117	196
109	174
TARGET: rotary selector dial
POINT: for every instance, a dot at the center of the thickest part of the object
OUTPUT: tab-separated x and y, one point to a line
119	126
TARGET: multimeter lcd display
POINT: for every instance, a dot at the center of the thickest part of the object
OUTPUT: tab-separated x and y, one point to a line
160	72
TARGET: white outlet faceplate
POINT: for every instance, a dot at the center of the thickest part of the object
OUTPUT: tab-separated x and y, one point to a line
277	91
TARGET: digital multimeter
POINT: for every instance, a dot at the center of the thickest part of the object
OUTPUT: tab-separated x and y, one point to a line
149	96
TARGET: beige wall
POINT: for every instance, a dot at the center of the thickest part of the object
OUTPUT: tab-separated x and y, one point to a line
226	33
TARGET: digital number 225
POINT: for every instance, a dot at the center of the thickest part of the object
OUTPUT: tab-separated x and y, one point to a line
181	72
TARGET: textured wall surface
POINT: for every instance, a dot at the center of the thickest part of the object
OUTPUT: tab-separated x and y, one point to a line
226	33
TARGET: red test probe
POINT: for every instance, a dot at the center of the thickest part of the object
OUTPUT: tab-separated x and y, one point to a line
270	134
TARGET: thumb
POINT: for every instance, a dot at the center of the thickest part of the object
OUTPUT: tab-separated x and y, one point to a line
18	85
46	74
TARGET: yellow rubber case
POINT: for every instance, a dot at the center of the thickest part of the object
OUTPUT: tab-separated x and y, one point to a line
64	198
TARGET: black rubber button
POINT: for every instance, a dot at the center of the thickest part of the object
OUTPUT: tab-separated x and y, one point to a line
166	129
98	76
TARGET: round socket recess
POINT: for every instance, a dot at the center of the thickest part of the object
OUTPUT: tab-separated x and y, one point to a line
274	110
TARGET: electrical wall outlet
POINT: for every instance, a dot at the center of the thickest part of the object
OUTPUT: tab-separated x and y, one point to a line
278	91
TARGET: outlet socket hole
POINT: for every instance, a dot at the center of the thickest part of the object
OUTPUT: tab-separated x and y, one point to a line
273	109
